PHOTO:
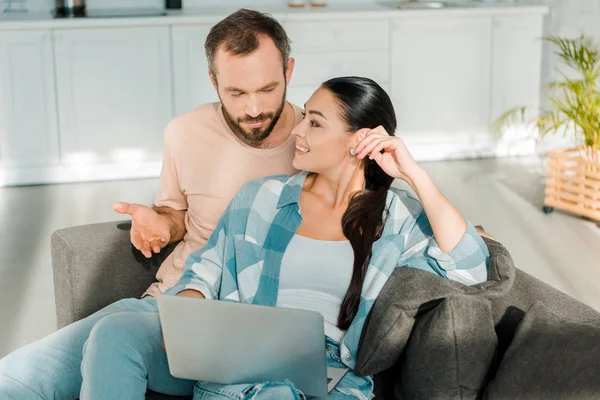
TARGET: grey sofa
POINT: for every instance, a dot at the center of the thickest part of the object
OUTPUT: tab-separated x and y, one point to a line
96	265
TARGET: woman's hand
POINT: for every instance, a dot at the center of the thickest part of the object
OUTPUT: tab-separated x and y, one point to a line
395	159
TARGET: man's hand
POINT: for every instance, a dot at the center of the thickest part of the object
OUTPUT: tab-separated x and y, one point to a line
149	231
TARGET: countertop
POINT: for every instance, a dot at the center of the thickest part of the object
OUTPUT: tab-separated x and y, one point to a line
210	15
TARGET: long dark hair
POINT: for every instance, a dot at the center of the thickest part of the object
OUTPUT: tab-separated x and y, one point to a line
363	104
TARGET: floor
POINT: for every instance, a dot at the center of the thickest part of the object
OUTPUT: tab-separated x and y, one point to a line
503	195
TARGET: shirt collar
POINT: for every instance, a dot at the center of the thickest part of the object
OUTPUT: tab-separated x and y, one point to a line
290	193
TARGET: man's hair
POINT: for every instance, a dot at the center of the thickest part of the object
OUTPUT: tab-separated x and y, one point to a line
239	34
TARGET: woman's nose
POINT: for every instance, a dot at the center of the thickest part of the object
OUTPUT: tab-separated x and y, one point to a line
298	130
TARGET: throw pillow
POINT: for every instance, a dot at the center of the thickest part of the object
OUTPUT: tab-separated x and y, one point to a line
549	358
449	351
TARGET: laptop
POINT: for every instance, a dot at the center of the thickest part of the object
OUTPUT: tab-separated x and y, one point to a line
230	343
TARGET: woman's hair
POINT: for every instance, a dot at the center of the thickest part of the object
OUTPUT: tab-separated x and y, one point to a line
363	104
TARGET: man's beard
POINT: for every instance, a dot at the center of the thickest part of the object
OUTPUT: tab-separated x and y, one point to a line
254	136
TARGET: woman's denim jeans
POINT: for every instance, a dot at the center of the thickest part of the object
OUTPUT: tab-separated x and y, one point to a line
349	388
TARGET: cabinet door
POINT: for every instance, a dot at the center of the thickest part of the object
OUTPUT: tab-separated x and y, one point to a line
114	93
516	63
192	84
28	121
441	77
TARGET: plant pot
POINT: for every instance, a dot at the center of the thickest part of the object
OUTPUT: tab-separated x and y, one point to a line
573	182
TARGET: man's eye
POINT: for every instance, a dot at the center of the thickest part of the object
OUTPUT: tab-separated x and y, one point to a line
236	94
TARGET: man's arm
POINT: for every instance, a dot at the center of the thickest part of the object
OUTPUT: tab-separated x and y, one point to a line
176	221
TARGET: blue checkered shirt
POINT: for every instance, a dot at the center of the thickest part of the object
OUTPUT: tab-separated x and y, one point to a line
242	258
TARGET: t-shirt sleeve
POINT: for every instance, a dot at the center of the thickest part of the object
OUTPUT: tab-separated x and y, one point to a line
170	193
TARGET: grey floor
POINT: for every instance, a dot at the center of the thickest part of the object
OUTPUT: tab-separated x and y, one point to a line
503	195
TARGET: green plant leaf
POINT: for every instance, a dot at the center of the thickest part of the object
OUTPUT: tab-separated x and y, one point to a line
575	102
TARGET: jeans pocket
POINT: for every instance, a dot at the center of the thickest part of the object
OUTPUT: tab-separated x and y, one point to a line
273	391
216	391
260	391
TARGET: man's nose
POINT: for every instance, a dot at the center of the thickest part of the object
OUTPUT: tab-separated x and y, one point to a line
254	107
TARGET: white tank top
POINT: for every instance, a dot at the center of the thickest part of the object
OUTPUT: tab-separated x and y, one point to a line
315	276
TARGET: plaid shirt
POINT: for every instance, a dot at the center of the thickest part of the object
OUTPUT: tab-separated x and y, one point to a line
242	258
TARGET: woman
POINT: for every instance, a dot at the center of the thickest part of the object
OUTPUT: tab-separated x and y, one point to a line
328	238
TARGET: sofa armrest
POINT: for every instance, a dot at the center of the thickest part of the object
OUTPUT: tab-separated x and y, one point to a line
96	265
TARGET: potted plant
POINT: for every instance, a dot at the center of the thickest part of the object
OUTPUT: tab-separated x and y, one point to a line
573	179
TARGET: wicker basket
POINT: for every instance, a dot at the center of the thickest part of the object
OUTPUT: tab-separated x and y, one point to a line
573	182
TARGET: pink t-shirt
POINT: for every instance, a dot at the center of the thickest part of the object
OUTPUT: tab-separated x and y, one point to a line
204	166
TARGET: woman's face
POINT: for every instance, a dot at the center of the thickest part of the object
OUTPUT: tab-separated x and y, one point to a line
322	139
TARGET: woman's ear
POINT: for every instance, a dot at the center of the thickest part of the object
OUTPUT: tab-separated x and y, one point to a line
357	136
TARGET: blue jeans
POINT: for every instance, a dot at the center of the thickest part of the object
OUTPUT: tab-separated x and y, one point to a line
115	353
351	387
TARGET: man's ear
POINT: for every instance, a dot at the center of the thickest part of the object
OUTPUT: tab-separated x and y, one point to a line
290	70
213	80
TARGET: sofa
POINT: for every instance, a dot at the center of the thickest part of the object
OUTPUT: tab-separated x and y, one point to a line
96	265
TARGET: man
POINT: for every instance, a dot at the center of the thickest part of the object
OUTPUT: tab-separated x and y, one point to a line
209	153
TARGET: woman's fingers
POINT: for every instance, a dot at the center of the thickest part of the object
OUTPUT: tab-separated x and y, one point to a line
369	137
368	148
376	146
383	144
365	142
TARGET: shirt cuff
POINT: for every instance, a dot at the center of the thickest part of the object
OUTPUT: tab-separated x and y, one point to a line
469	253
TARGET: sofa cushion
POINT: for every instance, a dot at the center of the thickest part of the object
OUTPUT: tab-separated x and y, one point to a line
449	351
550	357
409	293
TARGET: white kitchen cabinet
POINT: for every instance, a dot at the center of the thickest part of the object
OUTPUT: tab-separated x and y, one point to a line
28	120
328	49
338	35
516	63
441	78
192	84
314	68
114	94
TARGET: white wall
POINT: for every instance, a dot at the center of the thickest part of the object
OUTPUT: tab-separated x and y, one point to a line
569	19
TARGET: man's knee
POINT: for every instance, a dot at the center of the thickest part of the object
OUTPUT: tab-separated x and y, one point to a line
124	333
147	304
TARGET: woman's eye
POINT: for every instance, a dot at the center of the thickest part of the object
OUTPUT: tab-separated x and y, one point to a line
314	124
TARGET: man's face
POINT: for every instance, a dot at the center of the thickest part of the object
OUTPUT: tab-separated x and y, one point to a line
252	89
